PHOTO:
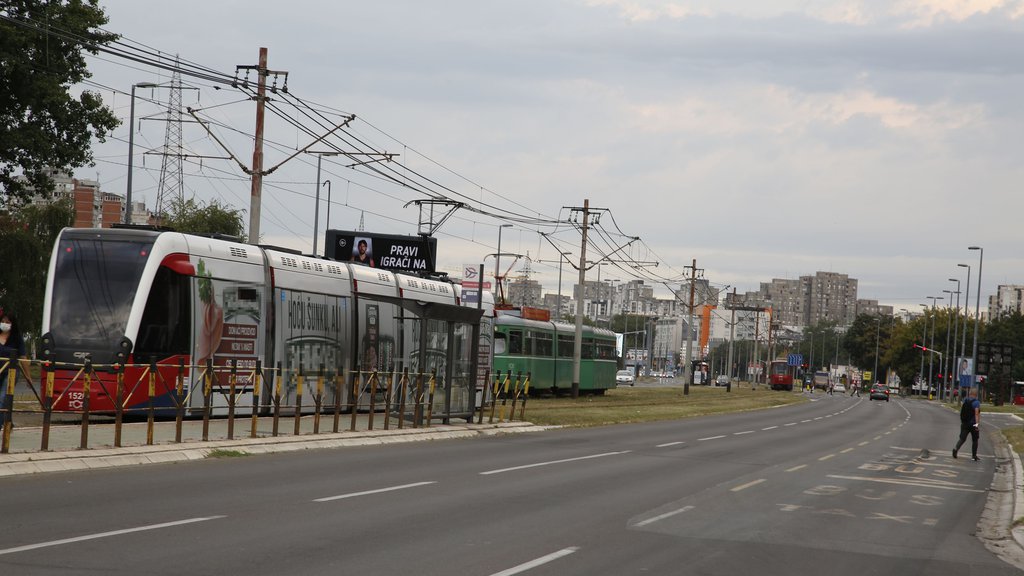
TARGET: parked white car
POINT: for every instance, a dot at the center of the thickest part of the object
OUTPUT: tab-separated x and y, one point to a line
624	377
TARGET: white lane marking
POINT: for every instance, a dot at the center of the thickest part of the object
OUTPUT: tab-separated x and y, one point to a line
107	534
805	421
826	457
921	483
790	424
845	451
742	433
537	562
747	485
864	443
525	466
669	444
795	468
368	492
662	516
769	428
711	438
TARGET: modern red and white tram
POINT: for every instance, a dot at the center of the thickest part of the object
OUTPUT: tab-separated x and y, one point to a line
121	299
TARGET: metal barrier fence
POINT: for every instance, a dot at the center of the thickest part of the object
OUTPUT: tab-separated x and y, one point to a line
362	396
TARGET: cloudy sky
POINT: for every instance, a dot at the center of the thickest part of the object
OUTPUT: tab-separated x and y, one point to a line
763	138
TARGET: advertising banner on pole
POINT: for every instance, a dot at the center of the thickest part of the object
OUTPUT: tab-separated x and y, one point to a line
385	251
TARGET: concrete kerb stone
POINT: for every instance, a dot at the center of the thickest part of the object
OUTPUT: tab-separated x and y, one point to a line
1018	493
66	460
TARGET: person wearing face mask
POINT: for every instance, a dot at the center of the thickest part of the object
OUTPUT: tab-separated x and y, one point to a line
12	347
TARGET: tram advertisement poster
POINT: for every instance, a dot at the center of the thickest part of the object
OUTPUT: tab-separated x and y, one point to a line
385	251
226	327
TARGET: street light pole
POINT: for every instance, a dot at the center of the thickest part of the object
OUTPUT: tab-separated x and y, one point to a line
931	345
316	210
945	358
967	302
327	223
878	330
977	317
131	151
924	339
956	331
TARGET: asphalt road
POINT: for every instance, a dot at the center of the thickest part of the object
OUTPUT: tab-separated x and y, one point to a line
841	485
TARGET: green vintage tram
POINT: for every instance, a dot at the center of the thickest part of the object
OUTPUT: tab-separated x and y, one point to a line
545	351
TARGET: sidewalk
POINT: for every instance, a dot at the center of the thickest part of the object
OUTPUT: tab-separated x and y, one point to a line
65	439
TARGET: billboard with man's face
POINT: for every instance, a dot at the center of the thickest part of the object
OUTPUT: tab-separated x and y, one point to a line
385	251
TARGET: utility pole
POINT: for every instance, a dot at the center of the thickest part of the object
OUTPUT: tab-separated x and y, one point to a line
578	344
732	333
257	153
689	332
757	360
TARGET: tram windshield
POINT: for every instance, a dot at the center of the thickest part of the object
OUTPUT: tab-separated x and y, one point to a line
94	284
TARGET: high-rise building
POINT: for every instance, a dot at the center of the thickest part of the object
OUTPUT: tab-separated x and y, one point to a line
824	297
1008	299
524	292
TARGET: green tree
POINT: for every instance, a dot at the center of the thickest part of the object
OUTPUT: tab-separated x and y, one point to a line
1006	329
42	126
26	241
191	217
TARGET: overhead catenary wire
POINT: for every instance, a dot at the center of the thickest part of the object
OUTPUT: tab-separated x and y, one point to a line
311	118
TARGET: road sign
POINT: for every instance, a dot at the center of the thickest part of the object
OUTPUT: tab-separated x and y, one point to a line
795	359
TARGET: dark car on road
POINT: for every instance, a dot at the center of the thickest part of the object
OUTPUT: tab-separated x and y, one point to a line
879	392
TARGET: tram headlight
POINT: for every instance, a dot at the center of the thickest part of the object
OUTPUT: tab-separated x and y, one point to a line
47	341
124	347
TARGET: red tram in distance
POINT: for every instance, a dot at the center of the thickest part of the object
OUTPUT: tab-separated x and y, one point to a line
780	375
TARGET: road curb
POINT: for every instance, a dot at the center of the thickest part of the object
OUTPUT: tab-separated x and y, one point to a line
1018	497
62	461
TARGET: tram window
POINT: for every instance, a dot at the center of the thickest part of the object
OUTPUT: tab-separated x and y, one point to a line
164	330
542	345
588	348
566	346
605	351
515	342
500	345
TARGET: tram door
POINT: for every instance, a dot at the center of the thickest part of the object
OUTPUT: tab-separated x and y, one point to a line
380	359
